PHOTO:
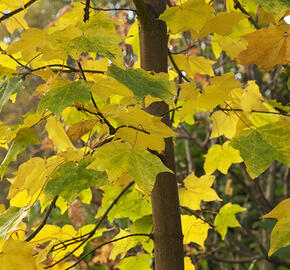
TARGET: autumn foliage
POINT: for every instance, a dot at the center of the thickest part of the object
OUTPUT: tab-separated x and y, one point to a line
88	150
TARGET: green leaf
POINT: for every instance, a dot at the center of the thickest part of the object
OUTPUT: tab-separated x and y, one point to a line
58	98
141	83
132	204
118	158
24	137
258	147
288	84
9	87
10	219
226	218
71	178
141	262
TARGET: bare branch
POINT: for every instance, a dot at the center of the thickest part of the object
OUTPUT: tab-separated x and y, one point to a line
8	15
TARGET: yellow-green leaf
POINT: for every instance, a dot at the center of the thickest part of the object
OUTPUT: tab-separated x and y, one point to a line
60	97
280	236
193	14
258	147
226	218
118	158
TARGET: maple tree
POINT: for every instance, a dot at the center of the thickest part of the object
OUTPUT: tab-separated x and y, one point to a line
110	97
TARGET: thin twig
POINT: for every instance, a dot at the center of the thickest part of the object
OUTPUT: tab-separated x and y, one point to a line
92	232
243	260
196	215
176	67
8	15
106	243
241	8
51	206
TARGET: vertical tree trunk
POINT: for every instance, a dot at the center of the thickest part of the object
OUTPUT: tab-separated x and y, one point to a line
167	233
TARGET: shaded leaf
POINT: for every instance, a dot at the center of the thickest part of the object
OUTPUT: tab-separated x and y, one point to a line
258	147
9	87
141	83
71	178
58	98
118	158
10	219
24	137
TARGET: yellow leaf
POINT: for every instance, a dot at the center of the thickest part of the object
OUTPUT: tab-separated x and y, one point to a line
224	123
17	21
193	14
194	64
215	94
194	230
31	176
280	236
221	157
16	254
139	139
188	264
188	91
58	135
106	87
223	23
233	47
133	39
267	47
197	190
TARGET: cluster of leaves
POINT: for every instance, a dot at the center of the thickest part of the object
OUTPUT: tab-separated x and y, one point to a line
92	107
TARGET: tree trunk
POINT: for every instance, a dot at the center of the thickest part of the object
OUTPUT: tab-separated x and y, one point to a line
167	233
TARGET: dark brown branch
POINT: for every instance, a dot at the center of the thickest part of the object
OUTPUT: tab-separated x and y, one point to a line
51	206
87	11
8	15
241	8
92	232
69	69
141	9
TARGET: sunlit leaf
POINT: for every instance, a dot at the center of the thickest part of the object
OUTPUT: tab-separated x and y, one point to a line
226	218
197	190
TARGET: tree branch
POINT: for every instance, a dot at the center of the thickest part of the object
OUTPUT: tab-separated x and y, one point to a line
241	8
106	243
51	206
141	9
8	15
92	232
